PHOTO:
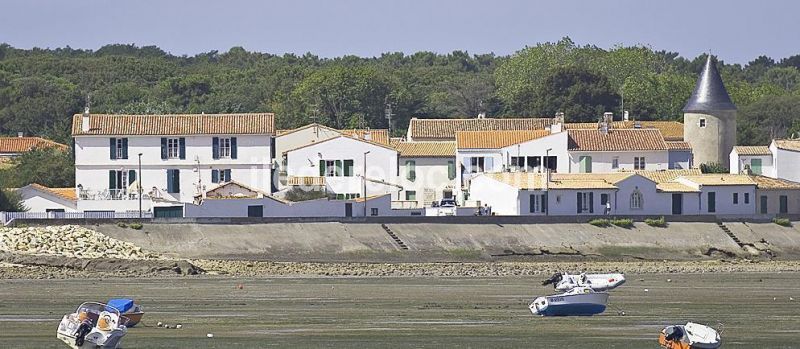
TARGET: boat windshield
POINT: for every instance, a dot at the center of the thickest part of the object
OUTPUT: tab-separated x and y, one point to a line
96	308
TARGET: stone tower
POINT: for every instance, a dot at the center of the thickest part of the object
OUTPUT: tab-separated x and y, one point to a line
709	119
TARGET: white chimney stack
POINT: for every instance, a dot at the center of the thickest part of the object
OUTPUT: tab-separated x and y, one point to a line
558	123
626	116
85	120
20	134
482	115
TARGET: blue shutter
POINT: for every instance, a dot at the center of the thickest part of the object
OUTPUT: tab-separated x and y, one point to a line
214	176
591	202
112	180
579	202
113	148
215	148
182	144
163	148
228	176
544	203
131	176
169	182
233	148
176	177
124	148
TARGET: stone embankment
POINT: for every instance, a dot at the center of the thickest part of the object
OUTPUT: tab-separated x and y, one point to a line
68	241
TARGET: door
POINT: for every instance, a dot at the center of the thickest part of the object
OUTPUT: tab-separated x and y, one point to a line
784	204
348	210
755	166
55	212
763	204
255	211
677	203
168	212
712	202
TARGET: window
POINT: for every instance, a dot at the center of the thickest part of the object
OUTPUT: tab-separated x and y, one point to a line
551	162
538	203
534	162
746	198
518	162
173	181
585	164
585	202
373	211
764	204
119	181
411	170
755	166
735	198
636	200
220	176
603	199
451	170
225	148
173	149
476	164
638	163
712	202
783	200
348	168
615	162
702	122
119	148
411	195
330	168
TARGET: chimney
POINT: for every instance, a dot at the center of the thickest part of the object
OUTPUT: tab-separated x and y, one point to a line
605	123
20	134
558	123
608	117
482	115
626	116
85	120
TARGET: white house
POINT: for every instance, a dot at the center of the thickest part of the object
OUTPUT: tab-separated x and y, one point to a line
723	194
427	173
38	198
786	159
613	150
172	157
756	160
340	161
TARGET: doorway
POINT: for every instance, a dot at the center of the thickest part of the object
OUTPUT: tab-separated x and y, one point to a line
348	209
677	203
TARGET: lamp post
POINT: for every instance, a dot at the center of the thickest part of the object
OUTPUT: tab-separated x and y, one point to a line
547	180
364	179
140	186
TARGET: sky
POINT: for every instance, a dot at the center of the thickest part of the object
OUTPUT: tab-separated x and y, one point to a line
735	30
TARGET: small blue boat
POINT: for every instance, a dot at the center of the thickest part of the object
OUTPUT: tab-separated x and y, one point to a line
580	301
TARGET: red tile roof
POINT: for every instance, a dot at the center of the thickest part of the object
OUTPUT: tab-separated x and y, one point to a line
616	140
176	124
13	145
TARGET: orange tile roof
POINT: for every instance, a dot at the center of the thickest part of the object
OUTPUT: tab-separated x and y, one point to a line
752	150
495	139
675	187
337	137
394	141
14	145
376	135
64	193
616	140
664	176
788	144
678	145
767	183
445	129
315	181
426	149
538	181
671	130
176	124
720	179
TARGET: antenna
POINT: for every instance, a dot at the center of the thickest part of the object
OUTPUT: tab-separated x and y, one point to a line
314	117
88	101
389	113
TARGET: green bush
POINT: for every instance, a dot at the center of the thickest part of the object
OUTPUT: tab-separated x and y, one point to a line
297	194
137	226
600	222
622	222
656	222
122	225
785	222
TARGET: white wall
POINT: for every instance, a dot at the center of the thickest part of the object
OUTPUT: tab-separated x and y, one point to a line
381	164
653	202
739	162
431	174
557	143
787	164
601	160
251	167
300	138
502	197
38	201
724	199
274	208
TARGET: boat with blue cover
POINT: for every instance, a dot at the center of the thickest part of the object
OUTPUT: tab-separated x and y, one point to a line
128	309
579	301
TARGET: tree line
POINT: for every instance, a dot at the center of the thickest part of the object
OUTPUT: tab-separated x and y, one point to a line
40	89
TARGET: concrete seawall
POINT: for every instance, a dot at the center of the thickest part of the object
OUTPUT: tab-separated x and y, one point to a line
374	242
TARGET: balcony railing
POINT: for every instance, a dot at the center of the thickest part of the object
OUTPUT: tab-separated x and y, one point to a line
8	217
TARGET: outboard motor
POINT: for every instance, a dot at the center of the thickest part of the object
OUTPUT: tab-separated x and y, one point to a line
555	279
673	333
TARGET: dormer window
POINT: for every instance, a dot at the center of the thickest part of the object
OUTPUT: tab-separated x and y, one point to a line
702	122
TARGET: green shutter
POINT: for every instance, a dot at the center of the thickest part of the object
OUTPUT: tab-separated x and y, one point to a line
214	176
532	203
124	148
112	179
182	148
234	148
411	170
322	168
544	203
131	176
348	168
176	177
112	146
169	182
338	164
451	170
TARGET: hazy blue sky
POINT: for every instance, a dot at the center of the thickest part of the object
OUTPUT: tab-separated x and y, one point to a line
736	30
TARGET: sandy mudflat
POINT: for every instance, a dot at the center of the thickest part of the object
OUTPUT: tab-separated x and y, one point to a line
371	312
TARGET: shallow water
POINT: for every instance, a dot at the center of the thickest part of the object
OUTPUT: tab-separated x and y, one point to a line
407	312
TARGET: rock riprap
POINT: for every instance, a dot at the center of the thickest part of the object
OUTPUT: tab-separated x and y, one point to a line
68	241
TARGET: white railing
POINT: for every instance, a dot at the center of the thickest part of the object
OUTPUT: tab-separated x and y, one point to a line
8	217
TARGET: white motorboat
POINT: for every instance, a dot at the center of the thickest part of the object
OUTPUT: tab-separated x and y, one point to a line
579	301
92	325
597	282
689	336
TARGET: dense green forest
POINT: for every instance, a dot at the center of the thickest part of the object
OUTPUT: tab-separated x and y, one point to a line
40	89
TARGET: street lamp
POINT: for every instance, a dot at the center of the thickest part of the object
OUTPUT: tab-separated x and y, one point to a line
364	179
547	180
140	186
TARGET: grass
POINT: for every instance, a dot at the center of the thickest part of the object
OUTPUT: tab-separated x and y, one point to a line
122	225
784	222
656	222
600	222
137	226
626	223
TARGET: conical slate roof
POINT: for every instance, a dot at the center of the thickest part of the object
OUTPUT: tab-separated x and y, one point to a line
710	93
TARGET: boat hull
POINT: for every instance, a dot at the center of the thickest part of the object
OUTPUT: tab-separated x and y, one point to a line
133	319
587	304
